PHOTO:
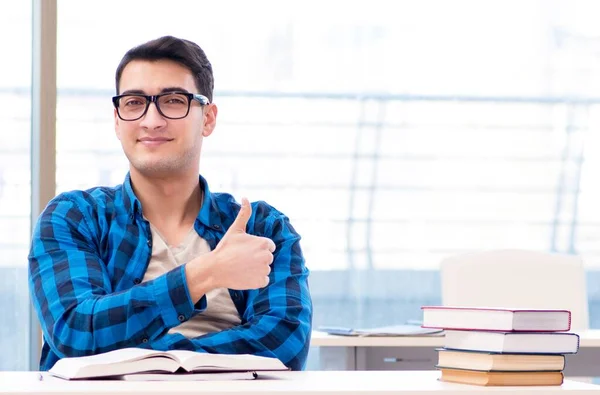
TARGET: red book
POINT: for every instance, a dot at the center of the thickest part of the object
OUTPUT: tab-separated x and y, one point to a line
496	319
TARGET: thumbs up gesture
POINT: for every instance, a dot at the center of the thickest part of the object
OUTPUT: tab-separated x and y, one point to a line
242	261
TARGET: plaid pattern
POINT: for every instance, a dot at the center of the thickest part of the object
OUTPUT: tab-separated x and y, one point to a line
90	250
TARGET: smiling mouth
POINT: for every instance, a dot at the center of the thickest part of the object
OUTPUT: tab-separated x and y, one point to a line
154	142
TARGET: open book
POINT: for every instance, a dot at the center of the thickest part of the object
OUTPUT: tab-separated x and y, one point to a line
120	363
220	376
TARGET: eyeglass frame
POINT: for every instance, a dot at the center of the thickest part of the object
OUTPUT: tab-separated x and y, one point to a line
203	100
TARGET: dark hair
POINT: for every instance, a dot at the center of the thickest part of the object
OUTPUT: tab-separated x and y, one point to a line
182	51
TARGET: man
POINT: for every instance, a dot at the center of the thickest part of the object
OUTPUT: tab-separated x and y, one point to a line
160	261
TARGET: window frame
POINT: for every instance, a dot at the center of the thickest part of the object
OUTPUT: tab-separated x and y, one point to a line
43	132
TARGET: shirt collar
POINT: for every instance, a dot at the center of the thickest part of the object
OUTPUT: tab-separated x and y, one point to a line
209	214
130	201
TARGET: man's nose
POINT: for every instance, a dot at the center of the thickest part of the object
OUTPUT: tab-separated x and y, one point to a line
153	118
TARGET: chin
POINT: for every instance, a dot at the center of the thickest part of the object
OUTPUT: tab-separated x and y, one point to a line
155	168
154	165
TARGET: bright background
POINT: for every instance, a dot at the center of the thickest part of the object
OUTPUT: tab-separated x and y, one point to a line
393	134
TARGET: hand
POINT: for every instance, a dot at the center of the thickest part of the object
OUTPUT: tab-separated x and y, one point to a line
242	261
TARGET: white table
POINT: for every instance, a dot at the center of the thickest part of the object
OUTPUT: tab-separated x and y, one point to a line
418	353
296	383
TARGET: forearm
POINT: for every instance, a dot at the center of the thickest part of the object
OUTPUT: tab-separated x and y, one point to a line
286	341
90	321
280	328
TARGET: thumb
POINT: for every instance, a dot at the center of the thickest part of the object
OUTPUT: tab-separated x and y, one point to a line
239	225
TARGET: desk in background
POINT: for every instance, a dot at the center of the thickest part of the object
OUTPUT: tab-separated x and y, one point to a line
283	383
418	353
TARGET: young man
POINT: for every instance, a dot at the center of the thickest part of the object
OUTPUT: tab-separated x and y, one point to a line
160	261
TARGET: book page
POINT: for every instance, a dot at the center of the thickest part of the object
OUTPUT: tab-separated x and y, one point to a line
196	361
73	367
189	376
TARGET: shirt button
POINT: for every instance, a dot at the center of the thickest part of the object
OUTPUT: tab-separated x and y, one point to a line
137	281
145	340
149	242
217	227
181	317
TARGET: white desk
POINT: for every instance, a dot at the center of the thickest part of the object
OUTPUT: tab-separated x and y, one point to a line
418	353
296	383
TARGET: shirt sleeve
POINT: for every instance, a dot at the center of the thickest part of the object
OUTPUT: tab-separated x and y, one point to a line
278	318
72	293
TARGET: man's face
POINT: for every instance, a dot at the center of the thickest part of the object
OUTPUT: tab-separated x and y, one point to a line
155	145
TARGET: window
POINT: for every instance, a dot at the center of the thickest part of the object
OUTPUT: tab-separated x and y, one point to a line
399	137
15	186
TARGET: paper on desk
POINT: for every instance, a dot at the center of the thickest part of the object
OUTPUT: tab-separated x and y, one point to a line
393	330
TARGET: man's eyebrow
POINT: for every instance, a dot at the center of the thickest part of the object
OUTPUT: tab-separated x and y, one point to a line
174	89
133	92
164	90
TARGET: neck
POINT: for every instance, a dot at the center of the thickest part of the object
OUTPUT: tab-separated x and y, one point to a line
172	200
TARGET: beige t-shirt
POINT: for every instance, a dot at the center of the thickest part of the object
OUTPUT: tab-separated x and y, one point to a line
220	312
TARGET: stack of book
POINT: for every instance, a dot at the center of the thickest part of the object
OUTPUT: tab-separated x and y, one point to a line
494	346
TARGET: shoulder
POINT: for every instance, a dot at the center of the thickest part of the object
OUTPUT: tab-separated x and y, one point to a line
266	220
80	205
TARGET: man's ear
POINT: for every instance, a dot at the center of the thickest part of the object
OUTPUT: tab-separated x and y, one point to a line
210	114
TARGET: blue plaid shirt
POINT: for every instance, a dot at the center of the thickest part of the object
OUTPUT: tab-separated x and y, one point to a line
90	250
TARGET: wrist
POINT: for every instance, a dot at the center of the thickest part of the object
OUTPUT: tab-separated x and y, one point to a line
200	276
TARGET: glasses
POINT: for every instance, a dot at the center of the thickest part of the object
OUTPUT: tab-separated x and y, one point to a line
171	105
